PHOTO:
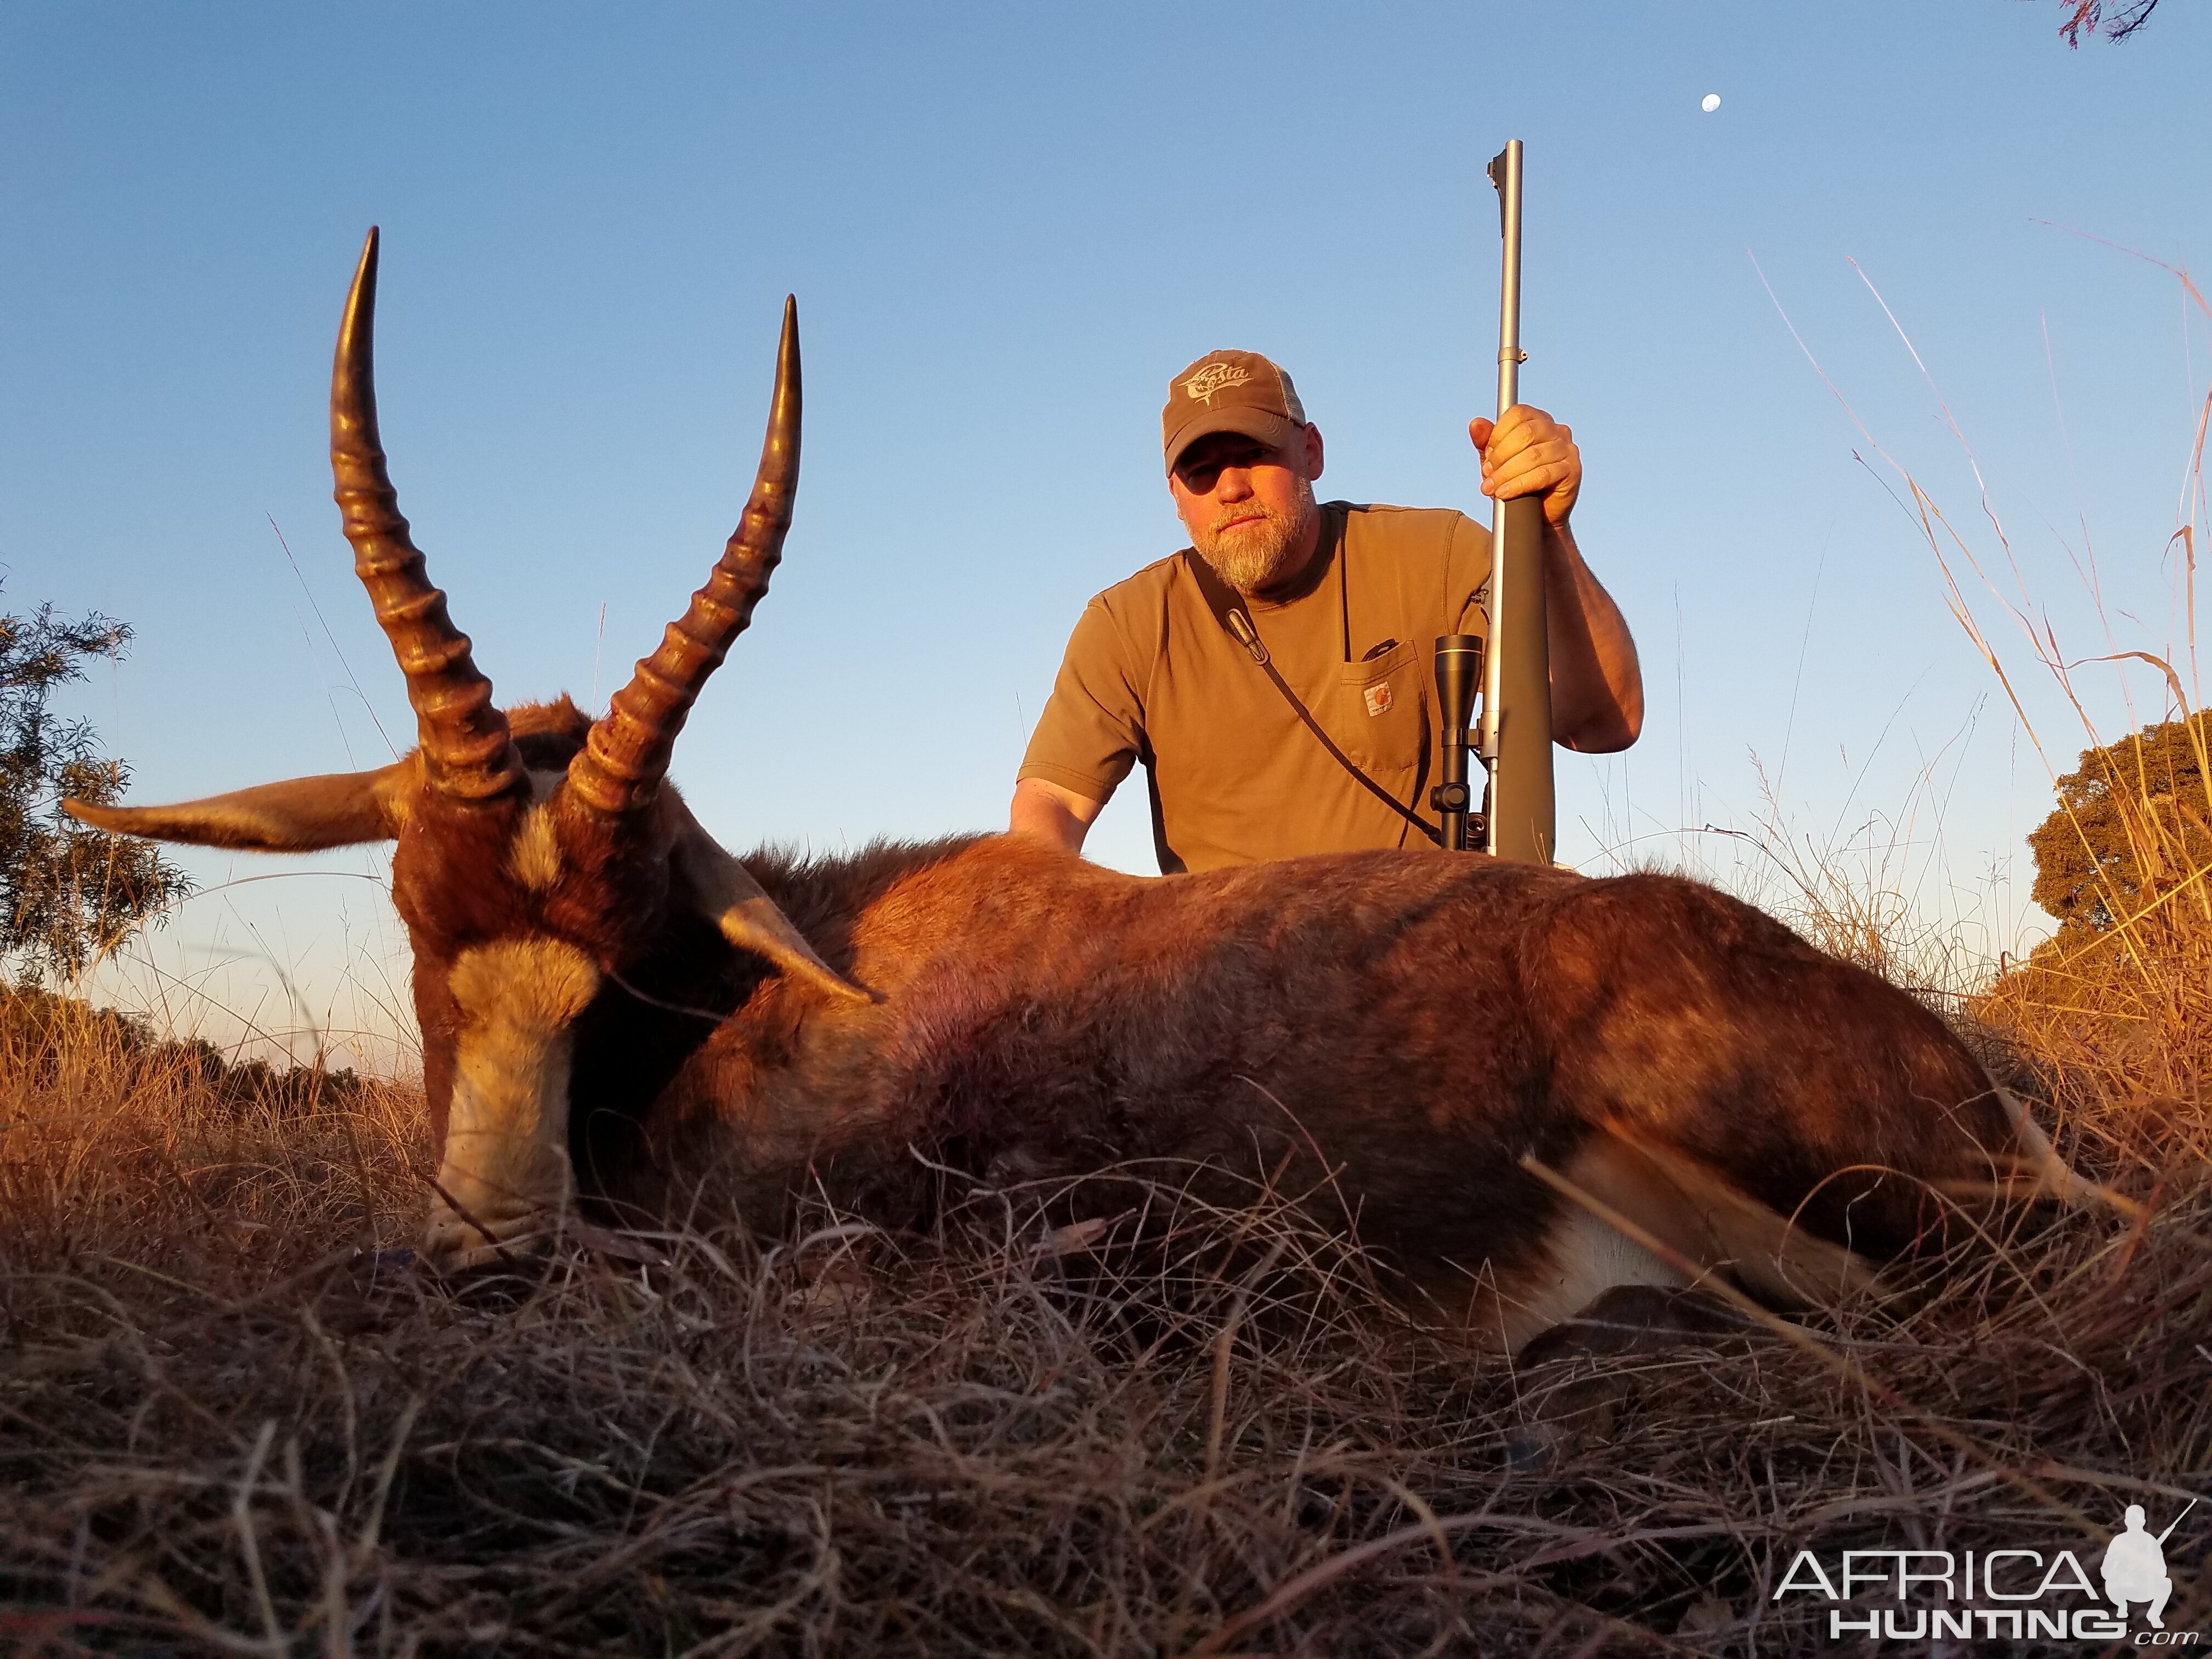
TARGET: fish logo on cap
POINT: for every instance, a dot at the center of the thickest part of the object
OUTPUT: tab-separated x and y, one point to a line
1214	377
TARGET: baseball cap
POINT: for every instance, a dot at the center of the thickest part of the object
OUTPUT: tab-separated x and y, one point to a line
1236	392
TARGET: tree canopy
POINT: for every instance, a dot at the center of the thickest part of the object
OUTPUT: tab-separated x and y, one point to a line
2115	21
2134	821
68	893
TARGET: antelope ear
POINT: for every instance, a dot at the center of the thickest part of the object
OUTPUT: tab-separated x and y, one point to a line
302	815
728	896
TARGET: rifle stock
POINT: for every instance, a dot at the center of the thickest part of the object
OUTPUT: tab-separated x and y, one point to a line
1521	817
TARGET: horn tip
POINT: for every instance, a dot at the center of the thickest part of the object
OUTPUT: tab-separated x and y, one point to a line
360	295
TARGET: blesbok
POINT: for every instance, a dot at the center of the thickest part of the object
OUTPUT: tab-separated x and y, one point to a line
613	1008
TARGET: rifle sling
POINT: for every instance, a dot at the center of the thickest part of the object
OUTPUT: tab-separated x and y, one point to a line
1237	622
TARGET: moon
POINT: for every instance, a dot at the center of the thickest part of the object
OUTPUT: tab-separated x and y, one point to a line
1712	102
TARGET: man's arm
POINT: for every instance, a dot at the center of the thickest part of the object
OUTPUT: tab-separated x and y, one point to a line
1598	685
1087	736
1045	812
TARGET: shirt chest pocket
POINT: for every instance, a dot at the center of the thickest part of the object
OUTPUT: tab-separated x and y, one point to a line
1380	716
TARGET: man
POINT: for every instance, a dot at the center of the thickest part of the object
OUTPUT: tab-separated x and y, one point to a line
1348	601
2134	1568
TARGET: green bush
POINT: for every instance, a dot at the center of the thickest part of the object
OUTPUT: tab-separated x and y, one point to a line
68	894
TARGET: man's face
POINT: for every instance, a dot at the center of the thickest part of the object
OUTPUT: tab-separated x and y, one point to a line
1248	506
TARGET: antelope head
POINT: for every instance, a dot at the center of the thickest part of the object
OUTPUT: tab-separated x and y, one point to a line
536	872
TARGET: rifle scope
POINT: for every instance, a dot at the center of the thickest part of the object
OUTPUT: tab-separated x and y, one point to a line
1459	672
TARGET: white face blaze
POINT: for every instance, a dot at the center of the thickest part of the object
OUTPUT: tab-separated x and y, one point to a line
506	1161
534	857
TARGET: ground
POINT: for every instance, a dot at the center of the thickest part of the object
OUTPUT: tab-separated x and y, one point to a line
231	1420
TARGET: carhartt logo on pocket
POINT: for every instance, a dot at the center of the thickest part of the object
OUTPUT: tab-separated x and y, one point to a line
1214	377
1378	698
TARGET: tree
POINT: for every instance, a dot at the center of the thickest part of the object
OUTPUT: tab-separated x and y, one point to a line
2122	19
2134	823
68	893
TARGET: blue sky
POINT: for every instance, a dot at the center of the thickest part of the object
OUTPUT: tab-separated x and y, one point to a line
1006	227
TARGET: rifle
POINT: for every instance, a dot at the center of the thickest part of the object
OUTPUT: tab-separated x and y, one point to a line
2168	1533
1514	744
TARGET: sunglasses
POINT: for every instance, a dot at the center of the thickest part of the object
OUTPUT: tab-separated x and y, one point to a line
1201	475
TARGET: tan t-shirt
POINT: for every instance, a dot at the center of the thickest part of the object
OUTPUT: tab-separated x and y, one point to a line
1234	778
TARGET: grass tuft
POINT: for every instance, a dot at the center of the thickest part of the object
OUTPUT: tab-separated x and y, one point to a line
229	1424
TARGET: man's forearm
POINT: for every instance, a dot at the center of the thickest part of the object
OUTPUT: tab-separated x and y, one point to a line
1598	685
1046	812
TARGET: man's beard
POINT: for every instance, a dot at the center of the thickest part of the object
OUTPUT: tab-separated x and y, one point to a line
1255	555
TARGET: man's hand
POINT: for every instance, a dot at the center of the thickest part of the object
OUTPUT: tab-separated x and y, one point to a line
1597	686
1529	453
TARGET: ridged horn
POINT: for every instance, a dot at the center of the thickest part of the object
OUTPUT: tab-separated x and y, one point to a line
468	753
625	756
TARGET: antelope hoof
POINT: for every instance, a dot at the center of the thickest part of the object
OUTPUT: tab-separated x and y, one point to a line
495	1234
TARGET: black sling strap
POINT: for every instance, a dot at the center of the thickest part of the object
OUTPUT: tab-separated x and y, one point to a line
1237	622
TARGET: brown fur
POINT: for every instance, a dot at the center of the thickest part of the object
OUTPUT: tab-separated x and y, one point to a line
1389	1033
1406	1024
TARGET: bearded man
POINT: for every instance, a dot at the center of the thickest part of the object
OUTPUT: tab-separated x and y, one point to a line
1347	601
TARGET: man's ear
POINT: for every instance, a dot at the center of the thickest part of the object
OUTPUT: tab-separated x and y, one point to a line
302	815
727	896
1313	452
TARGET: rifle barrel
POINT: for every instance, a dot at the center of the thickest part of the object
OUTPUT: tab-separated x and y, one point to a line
1516	700
2176	1522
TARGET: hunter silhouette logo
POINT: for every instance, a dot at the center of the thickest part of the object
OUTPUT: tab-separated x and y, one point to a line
1214	377
2135	1566
2000	1594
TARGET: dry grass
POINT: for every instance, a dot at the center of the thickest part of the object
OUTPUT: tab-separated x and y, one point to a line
228	1426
